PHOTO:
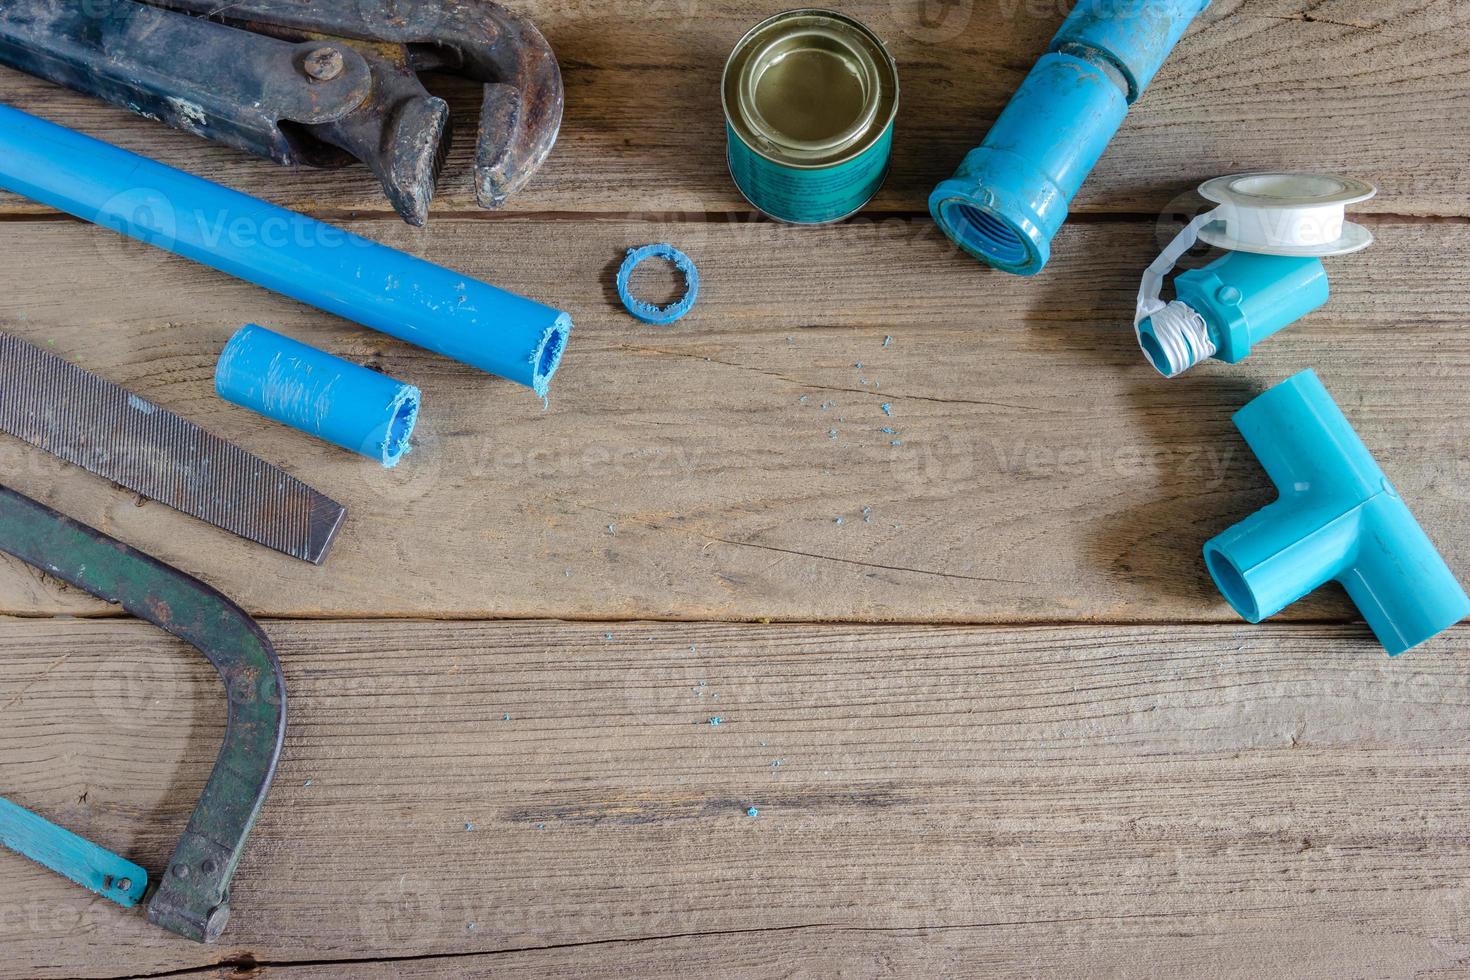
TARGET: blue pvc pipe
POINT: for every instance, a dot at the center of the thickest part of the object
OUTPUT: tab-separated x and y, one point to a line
1243	299
1012	193
318	393
1338	519
379	287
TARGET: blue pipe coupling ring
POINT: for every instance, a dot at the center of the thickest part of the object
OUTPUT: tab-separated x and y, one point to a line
318	393
1012	193
647	312
297	256
1338	519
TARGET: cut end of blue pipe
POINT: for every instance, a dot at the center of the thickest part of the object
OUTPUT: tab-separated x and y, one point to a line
548	354
404	415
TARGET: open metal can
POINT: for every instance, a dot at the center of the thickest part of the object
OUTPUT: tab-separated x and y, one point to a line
810	100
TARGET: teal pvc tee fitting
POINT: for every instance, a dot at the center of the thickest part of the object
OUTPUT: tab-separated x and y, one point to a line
1229	306
1011	194
1338	519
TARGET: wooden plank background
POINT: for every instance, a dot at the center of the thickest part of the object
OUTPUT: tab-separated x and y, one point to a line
1030	739
1358	86
1039	801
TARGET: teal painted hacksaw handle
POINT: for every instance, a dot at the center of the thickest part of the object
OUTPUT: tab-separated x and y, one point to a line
96	868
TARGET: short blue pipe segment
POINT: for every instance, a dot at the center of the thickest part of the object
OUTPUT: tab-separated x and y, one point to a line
318	393
292	254
93	867
1243	299
1338	518
1011	194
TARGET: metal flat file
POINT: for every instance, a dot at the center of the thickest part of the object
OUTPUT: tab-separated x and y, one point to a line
115	434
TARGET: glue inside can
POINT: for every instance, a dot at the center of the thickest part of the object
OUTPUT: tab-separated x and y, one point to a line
810	99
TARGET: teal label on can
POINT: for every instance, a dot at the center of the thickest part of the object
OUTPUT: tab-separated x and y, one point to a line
809	196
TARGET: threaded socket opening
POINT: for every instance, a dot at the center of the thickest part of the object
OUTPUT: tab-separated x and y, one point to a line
985	234
405	410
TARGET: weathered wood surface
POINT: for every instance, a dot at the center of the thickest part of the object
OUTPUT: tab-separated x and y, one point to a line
1043	800
1045	472
1223	801
1368	87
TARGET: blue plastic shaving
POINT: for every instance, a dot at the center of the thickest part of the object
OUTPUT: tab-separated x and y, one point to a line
647	312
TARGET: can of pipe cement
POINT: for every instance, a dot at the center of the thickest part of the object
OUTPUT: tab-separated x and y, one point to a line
810	99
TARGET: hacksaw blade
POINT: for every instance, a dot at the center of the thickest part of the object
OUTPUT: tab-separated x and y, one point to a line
107	430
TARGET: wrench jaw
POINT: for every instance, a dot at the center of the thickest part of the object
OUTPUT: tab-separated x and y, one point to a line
418	143
520	120
524	97
401	133
478	39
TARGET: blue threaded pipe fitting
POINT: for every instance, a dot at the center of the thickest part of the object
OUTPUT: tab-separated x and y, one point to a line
1011	194
1229	306
1338	519
318	393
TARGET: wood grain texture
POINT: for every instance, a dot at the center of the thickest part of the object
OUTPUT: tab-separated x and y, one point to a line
735	466
1041	801
1367	87
1085	787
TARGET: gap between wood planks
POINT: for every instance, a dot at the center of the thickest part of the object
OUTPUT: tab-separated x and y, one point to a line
245	965
110	614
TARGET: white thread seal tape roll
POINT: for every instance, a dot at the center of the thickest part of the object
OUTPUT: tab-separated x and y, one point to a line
1299	215
1291	214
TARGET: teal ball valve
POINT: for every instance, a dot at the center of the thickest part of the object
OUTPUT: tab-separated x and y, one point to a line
1338	519
1276	229
1226	308
1011	194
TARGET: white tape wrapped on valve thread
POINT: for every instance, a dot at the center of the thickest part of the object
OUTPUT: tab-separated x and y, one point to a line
1288	214
1149	301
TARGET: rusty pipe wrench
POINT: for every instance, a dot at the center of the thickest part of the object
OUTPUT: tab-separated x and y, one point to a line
315	82
192	897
